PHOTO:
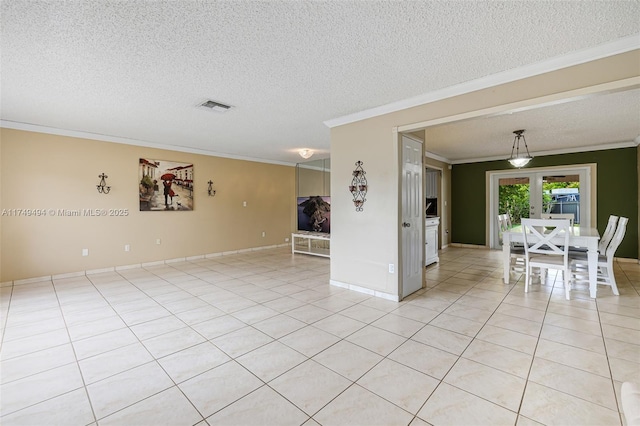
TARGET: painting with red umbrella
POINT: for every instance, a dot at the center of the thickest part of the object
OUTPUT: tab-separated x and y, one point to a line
165	185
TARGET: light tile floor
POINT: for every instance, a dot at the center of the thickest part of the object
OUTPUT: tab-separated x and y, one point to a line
262	338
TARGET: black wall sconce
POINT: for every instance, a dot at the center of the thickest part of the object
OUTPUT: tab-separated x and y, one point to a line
359	187
210	190
102	186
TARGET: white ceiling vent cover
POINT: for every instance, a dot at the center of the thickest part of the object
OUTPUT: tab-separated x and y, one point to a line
215	106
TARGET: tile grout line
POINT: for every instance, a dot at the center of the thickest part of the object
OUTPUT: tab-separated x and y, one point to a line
461	356
154	359
182	268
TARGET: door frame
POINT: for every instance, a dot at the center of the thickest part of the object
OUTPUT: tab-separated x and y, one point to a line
587	207
441	204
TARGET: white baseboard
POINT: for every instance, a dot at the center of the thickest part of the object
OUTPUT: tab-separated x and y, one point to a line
353	287
472	246
136	265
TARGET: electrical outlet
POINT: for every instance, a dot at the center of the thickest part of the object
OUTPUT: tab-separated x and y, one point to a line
286	240
264	234
158	241
244	204
392	268
127	247
85	252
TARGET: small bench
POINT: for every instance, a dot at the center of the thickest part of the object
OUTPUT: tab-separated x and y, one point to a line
313	243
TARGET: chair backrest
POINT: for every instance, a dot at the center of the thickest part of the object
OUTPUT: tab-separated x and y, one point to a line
507	221
569	216
501	226
618	236
540	233
608	234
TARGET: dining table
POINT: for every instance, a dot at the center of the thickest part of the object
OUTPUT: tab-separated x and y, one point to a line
579	236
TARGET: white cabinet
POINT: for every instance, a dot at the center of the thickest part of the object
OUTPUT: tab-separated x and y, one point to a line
432	182
431	240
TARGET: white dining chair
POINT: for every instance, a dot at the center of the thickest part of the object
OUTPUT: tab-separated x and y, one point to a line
544	251
509	224
507	220
516	250
608	234
604	240
605	261
569	216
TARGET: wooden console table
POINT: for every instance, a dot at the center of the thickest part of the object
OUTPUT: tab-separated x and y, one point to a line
313	243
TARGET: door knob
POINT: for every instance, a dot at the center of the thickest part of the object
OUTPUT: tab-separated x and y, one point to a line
406	225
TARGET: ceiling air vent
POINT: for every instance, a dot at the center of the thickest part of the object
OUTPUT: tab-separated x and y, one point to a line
215	106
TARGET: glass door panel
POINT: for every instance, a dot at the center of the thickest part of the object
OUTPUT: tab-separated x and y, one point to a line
531	193
561	195
514	197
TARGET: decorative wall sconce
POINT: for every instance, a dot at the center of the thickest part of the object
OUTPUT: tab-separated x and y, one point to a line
210	190
358	187
102	186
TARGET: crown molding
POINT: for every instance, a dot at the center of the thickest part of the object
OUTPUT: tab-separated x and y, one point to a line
312	167
437	157
126	141
617	145
577	57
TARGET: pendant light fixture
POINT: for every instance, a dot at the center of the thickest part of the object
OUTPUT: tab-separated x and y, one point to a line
517	158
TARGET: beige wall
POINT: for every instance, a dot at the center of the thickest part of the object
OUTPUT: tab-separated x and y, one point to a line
43	171
363	244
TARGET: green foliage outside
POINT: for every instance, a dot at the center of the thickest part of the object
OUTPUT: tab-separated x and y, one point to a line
514	199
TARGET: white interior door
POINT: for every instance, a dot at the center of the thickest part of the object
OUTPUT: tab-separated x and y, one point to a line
412	227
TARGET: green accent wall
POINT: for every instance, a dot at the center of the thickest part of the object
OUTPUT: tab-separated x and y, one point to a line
617	193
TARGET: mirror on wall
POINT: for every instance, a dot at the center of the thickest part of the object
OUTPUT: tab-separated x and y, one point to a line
313	178
314	196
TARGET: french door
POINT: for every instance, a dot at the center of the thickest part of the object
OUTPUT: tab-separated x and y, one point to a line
530	193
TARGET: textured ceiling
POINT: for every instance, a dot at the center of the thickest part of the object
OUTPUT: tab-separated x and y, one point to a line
593	122
138	69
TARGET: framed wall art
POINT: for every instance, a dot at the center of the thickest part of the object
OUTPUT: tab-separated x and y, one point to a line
165	185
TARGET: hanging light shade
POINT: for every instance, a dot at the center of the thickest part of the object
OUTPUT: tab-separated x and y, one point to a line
519	159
